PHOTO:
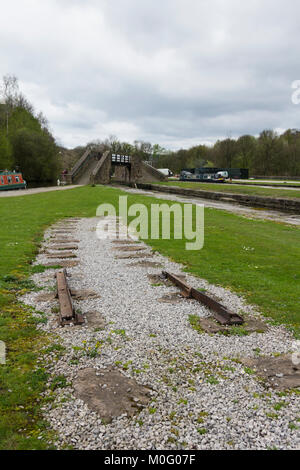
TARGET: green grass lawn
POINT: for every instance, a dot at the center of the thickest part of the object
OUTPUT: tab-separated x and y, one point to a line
287	183
235	189
258	259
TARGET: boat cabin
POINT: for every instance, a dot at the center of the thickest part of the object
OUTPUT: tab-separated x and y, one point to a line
11	180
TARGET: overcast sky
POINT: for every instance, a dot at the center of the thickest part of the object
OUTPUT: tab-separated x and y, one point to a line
173	72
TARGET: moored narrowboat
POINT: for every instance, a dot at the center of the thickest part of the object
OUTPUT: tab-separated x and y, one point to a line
11	180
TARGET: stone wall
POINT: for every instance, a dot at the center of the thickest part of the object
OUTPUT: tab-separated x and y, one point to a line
280	204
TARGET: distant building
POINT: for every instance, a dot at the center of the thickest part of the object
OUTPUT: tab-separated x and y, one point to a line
208	173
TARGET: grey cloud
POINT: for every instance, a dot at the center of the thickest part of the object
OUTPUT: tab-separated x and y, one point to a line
173	72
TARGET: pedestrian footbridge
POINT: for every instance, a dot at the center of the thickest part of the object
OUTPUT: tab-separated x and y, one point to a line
97	167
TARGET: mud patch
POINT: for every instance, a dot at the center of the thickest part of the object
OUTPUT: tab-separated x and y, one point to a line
156	279
63	247
48	297
62	240
130	248
135	255
125	242
95	319
110	394
253	325
145	264
84	294
65	230
63	264
61	255
173	298
279	372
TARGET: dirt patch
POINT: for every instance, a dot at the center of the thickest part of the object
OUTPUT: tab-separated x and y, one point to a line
62	240
145	264
173	298
110	393
130	248
84	294
66	231
49	297
63	247
95	319
67	225
76	277
125	242
253	325
61	255
156	279
279	372
63	264
135	255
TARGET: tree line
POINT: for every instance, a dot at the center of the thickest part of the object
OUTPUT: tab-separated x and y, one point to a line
26	143
269	154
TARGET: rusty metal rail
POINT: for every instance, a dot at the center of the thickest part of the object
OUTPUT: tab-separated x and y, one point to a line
67	313
221	313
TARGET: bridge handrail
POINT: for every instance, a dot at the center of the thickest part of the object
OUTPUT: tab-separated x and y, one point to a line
120	158
99	164
80	162
155	171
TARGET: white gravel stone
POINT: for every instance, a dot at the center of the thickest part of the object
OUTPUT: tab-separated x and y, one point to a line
202	398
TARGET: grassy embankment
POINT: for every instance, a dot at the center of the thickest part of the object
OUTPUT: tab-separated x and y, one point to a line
235	189
258	259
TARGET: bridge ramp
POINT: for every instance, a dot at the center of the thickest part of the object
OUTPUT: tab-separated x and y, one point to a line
85	177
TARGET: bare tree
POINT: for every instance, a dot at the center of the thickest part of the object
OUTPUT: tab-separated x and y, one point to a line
9	92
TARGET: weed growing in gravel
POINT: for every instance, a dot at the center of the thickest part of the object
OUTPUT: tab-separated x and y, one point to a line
125	365
202	431
230	369
235	331
58	349
182	401
293	426
278	406
88	349
272	415
212	380
74	362
119	332
194	322
201	417
59	381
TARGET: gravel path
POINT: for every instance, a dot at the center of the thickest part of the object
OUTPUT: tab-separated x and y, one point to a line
201	396
28	192
248	212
